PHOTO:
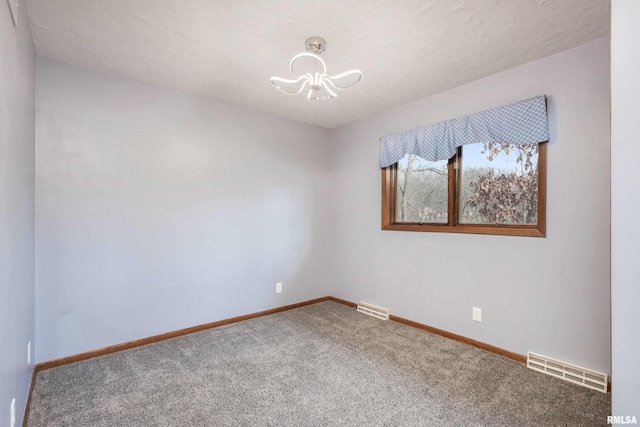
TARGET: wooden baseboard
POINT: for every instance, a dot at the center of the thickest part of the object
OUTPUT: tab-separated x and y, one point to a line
345	302
168	335
173	334
488	347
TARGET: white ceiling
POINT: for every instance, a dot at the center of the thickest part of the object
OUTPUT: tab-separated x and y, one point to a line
228	49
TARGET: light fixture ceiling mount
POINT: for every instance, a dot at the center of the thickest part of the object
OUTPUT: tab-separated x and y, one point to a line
321	85
316	45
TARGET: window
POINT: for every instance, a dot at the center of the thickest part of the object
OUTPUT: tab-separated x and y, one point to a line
440	178
491	188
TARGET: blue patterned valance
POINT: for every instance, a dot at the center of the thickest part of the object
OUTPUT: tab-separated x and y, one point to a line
523	122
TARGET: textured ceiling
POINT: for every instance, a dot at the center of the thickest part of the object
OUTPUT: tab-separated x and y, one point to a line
228	49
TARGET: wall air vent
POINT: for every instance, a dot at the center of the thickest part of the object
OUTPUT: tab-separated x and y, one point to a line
372	310
566	371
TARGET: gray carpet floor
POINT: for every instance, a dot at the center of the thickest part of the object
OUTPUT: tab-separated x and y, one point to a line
319	365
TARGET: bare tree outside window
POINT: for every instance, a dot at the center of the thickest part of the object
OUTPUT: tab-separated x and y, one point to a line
421	189
499	184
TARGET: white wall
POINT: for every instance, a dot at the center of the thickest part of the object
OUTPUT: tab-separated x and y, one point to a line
549	295
157	210
17	145
625	206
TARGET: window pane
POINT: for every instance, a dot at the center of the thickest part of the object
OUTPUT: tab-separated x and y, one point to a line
499	184
421	190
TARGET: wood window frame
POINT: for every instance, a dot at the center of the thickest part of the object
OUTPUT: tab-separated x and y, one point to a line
389	176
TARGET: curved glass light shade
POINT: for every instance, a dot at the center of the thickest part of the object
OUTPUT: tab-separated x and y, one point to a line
321	85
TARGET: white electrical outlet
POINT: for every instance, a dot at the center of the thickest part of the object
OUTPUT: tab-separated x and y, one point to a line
13	413
278	287
477	314
29	353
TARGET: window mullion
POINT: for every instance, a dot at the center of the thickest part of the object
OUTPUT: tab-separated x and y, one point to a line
453	169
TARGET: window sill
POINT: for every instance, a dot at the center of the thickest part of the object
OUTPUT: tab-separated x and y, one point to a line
501	230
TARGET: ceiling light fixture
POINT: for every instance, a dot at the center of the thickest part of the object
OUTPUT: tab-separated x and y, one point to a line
321	85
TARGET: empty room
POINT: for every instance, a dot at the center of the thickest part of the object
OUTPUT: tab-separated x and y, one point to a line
403	213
